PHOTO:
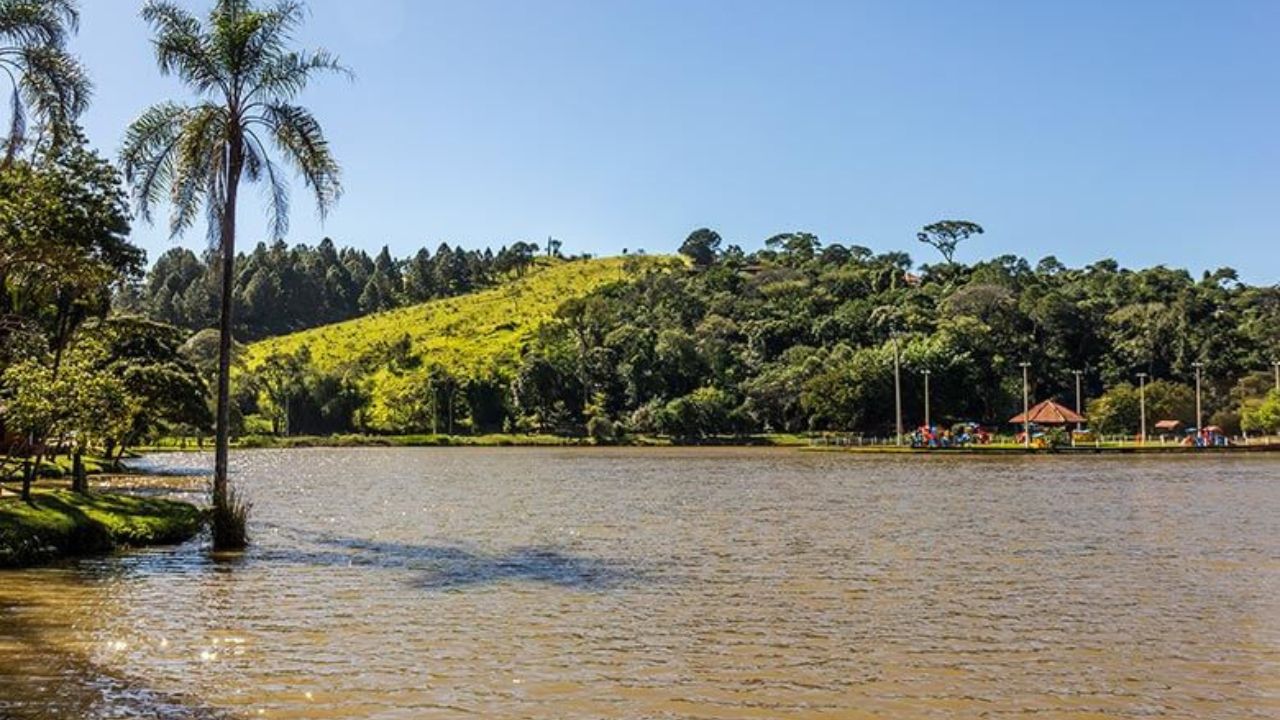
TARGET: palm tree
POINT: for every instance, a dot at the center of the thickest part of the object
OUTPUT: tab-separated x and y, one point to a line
246	78
42	75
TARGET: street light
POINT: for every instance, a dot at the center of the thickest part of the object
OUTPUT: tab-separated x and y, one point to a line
1026	407
897	388
926	400
1199	416
1142	407
1078	373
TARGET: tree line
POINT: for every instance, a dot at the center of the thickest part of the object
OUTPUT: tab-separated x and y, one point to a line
280	289
800	336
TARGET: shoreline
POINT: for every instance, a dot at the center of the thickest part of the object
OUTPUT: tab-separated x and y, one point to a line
59	524
800	442
1067	451
270	442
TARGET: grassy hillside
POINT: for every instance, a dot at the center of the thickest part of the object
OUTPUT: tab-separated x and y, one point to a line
481	331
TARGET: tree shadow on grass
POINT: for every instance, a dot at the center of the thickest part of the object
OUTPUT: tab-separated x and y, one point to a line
450	567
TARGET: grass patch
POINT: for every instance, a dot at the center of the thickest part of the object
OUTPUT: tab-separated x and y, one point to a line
467	335
58	523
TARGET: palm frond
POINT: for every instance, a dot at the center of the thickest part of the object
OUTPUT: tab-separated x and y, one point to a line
55	85
265	34
284	76
38	22
277	188
44	76
182	48
199	160
147	154
300	139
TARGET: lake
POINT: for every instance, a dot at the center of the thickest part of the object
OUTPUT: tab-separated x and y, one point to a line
677	583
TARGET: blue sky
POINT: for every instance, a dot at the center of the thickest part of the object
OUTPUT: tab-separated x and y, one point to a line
1144	131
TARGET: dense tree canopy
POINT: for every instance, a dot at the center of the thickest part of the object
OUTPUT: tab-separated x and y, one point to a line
71	378
800	336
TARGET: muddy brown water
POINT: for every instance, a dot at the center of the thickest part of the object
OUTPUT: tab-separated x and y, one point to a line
654	583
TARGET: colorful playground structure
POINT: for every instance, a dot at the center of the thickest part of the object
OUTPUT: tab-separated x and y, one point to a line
1211	436
960	435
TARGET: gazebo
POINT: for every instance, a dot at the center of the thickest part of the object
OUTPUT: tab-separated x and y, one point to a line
1049	413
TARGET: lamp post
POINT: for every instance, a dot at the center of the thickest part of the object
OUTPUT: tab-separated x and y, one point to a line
1142	408
1026	407
897	389
926	400
1199	415
1078	373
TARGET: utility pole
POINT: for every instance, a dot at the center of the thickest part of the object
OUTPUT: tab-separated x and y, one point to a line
926	400
1026	407
1142	407
1199	415
897	388
1078	373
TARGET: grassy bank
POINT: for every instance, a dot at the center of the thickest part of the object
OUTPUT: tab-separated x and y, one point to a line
59	523
490	440
1016	449
60	466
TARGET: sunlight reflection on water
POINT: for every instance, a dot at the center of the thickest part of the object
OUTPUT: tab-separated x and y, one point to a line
406	583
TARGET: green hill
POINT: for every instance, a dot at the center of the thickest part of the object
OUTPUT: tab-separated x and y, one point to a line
467	335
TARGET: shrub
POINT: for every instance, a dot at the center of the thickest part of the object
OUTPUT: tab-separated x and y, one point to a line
601	430
229	522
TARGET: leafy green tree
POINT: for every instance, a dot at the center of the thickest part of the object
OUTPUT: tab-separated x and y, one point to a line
1168	400
853	391
946	235
281	377
82	399
1119	409
702	413
32	408
773	395
412	403
247	78
100	410
1116	411
547	391
1262	416
701	247
794	248
63	239
167	388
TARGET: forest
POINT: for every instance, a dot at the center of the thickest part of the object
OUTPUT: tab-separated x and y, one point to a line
799	336
281	289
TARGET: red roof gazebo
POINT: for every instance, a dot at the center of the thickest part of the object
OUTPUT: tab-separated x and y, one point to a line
1048	412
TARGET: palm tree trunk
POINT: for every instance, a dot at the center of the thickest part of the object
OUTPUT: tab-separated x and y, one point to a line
222	430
